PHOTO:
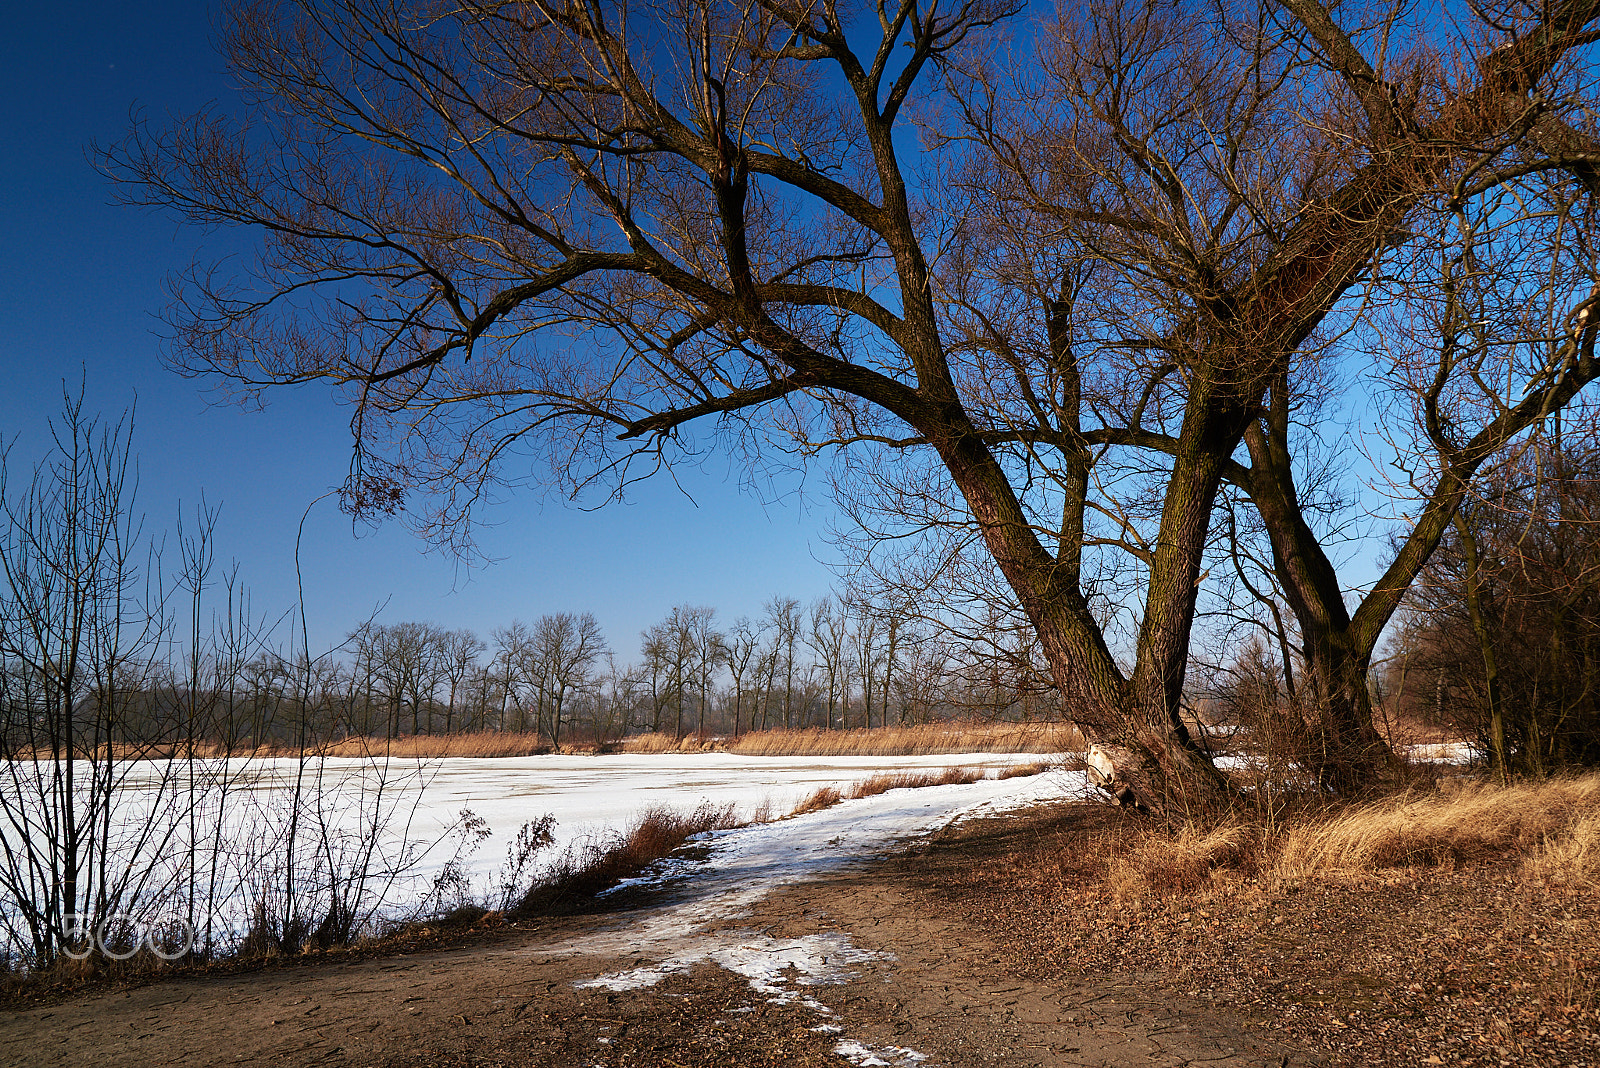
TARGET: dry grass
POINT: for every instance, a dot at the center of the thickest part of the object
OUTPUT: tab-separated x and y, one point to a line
922	740
595	865
828	796
1551	828
1019	771
931	738
1483	961
1157	864
912	741
1474	823
820	798
436	746
1570	858
661	742
885	781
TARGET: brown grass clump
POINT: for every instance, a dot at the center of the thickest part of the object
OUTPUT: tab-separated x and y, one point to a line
1570	857
1019	771
885	781
1475	823
591	867
659	742
820	798
1184	864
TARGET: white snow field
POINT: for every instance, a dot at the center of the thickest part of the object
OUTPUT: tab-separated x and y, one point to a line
587	795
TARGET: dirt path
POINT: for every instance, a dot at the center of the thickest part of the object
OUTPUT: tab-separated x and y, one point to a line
910	985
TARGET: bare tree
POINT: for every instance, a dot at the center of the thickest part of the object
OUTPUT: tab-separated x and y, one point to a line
785	621
668	649
740	651
707	644
458	653
826	637
511	650
565	649
80	627
584	230
1504	627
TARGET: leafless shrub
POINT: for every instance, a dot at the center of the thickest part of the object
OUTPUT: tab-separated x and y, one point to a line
531	838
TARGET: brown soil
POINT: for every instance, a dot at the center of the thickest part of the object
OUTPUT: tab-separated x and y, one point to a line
1468	965
981	964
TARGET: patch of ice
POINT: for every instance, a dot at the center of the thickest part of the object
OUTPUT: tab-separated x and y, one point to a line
826	1029
879	1056
1446	753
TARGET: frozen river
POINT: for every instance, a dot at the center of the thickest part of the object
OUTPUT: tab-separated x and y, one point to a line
587	795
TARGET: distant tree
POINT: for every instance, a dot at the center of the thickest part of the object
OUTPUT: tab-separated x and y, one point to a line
512	645
668	649
740	652
784	621
458	655
826	636
707	645
565	649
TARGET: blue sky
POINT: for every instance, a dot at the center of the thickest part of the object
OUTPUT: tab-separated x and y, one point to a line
83	281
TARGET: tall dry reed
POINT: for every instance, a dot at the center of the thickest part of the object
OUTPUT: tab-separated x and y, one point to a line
925	739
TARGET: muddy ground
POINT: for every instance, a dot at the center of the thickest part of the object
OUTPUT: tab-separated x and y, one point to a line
932	983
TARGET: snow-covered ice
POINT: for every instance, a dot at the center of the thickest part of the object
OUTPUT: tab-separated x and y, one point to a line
586	794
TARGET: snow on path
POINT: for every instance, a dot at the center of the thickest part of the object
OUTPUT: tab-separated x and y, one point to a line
747	864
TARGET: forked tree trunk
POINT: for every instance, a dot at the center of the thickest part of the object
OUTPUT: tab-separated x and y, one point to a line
1135	720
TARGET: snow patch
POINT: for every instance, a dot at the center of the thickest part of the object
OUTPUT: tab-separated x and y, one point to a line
744	865
1446	753
767	964
872	1056
741	866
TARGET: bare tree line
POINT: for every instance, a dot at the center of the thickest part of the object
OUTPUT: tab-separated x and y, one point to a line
184	662
833	664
